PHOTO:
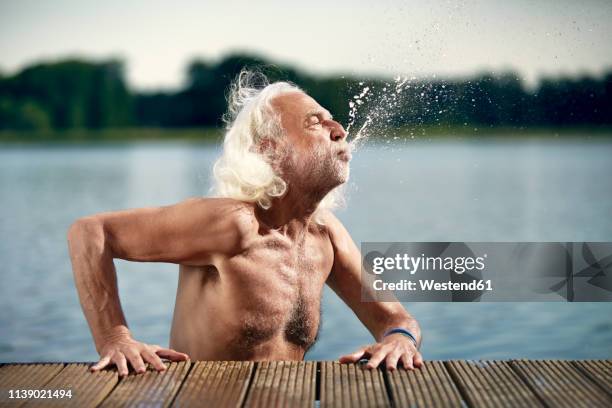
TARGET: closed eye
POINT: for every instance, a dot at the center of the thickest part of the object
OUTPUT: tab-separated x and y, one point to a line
314	121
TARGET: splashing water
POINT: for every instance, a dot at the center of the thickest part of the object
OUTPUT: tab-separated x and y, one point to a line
380	104
358	100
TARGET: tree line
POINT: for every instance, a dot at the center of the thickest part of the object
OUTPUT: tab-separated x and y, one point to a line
74	94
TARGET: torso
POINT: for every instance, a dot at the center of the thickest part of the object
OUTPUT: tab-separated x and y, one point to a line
260	304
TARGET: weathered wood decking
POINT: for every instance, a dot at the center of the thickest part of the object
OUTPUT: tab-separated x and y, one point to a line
516	383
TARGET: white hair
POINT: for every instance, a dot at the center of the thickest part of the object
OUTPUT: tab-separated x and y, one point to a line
242	172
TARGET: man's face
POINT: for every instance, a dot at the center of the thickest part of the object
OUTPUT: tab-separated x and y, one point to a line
313	152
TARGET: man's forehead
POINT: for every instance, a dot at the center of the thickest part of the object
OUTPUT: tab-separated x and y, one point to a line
300	103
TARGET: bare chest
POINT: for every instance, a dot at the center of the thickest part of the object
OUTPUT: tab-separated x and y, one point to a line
279	289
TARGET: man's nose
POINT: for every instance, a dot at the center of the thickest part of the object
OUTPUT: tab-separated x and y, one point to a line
337	132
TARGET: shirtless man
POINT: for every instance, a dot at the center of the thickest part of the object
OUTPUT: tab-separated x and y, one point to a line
253	259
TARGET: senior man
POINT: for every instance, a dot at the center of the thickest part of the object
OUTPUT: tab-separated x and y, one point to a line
253	259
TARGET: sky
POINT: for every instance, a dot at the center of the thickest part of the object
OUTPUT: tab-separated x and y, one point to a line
157	39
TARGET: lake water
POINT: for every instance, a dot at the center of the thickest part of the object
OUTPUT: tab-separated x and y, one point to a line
516	190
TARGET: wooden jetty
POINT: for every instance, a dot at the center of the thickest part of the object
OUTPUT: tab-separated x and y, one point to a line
478	383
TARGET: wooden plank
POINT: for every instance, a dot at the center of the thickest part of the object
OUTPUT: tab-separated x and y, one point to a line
428	386
599	371
560	384
352	385
152	388
25	377
283	384
87	389
491	384
215	384
519	383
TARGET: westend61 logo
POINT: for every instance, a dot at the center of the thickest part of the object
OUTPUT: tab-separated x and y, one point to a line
486	271
412	264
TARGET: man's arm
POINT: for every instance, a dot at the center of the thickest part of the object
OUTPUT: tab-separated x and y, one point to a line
378	317
191	232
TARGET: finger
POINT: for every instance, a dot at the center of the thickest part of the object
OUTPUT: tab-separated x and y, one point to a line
354	356
377	357
392	359
101	364
172	355
418	360
121	363
136	361
154	359
407	361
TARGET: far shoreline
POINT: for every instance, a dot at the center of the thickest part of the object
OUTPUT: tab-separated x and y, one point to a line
214	135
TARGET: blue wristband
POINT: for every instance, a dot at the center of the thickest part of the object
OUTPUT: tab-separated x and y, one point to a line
401	331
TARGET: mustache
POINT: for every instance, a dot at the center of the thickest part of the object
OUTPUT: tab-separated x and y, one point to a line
320	151
344	148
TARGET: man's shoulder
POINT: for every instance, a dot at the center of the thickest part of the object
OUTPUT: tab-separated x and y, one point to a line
332	225
227	205
340	238
229	218
327	218
224	209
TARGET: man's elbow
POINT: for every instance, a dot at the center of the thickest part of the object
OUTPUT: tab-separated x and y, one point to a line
86	233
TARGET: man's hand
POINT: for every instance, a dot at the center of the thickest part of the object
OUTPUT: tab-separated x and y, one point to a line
120	349
393	348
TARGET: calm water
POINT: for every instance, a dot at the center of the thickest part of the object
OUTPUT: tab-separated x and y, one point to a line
526	190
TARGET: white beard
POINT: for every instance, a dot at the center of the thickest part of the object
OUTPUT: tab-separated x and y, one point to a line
326	170
321	171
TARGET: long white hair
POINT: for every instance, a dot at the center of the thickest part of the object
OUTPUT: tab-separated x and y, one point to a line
242	172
